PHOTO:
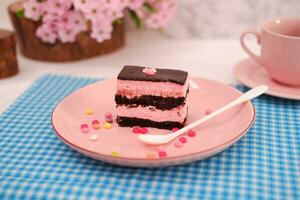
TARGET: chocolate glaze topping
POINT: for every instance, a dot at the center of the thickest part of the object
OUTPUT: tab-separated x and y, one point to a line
135	73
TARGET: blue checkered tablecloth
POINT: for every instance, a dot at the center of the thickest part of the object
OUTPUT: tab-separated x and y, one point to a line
35	164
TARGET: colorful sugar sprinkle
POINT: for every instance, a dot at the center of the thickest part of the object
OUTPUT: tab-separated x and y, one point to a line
183	140
96	124
150	155
114	153
178	144
162	154
143	130
94	137
108	115
208	111
175	129
136	129
191	133
107	125
109	120
84	128
88	111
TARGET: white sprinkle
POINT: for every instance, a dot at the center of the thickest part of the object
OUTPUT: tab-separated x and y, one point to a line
94	137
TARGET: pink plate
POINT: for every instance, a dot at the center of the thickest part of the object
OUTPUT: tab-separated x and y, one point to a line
251	74
119	145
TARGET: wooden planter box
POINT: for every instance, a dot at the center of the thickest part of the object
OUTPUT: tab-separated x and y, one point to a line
8	59
84	46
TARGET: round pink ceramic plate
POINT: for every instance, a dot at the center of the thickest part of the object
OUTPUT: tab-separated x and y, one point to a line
251	74
119	145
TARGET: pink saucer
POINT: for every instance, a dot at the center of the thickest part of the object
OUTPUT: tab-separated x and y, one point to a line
251	74
119	145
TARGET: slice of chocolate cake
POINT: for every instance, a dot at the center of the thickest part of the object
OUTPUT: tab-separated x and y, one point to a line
151	97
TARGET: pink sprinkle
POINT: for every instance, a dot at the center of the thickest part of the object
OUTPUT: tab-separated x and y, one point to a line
191	133
95	122
109	120
183	139
85	128
149	71
208	111
160	149
108	115
143	130
136	129
175	129
178	144
162	154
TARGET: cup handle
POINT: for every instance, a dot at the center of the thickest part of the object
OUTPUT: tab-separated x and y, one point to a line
247	50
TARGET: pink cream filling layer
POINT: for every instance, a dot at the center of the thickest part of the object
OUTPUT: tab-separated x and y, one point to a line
138	88
177	114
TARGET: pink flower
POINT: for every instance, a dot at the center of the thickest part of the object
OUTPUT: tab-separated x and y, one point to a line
135	4
58	7
46	34
67	35
112	15
94	10
83	5
115	5
76	21
165	13
33	9
101	30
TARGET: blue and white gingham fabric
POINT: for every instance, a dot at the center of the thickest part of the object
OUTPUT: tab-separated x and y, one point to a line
35	164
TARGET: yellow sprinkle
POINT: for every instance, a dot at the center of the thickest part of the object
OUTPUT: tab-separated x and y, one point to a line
150	155
107	125
88	111
114	154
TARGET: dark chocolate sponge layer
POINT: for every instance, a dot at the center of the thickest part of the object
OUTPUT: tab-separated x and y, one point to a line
130	122
135	73
156	101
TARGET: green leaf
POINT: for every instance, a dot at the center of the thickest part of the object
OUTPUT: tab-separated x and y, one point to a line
20	13
150	8
135	18
117	21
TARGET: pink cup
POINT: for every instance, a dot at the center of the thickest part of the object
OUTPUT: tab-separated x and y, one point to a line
280	49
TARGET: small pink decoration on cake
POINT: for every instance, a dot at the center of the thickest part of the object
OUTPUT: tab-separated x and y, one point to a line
149	71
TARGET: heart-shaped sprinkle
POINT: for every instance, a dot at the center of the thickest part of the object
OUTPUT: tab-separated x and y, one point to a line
149	71
162	154
88	111
136	129
175	129
94	137
108	115
183	139
143	130
84	128
191	133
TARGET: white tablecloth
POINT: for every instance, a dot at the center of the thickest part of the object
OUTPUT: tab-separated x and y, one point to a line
212	59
